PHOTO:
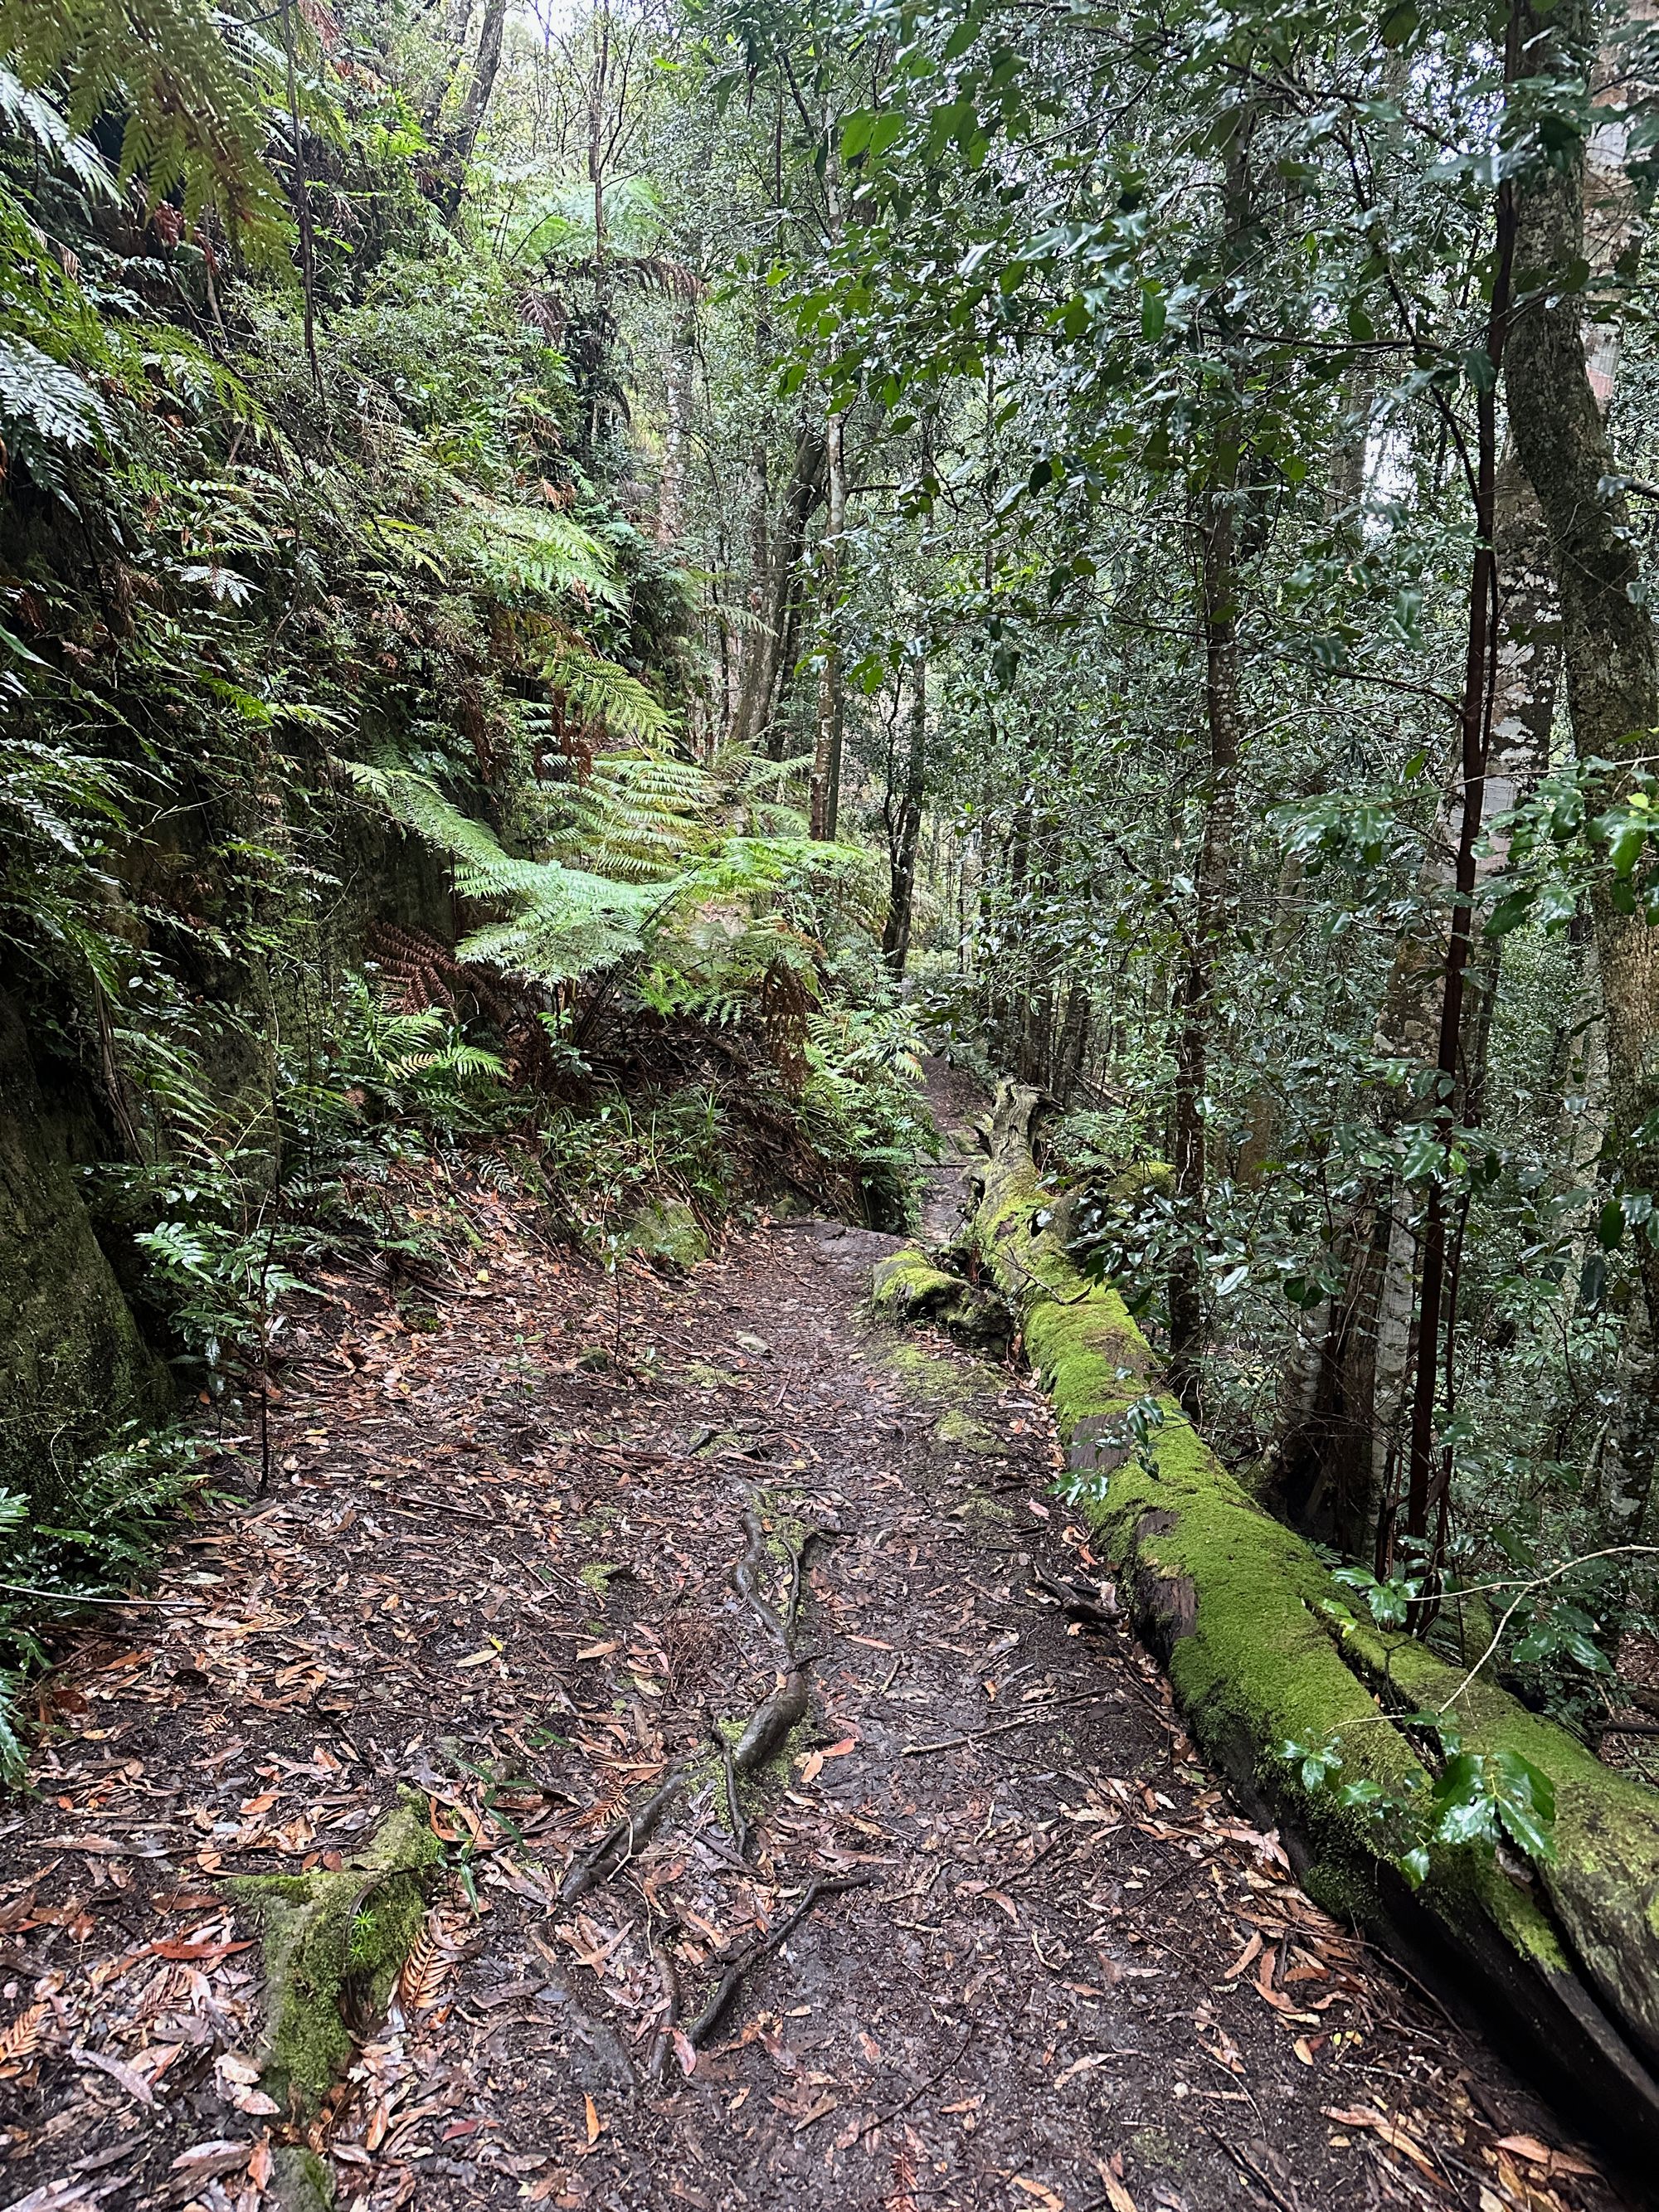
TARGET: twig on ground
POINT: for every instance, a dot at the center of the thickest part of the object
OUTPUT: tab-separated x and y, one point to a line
1006	1728
663	1959
922	2088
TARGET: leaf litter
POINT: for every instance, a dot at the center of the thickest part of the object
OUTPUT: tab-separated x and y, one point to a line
977	1929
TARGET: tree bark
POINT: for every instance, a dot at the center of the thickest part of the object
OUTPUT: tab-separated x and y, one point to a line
463	135
1218	588
1609	639
827	725
901	905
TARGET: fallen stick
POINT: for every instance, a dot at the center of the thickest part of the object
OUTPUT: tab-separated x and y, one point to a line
663	1959
922	2088
736	1968
1006	1728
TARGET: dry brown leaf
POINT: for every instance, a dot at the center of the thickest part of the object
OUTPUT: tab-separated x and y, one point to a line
1523	2191
1246	1957
1395	2137
594	2123
1045	2198
1539	2154
423	1970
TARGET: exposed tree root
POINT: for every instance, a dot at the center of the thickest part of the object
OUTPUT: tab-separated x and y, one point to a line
735	1966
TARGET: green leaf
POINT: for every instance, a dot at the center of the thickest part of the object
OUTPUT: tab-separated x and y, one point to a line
1154	313
1360	325
1398	23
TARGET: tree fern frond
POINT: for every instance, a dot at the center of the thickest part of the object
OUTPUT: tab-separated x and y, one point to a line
535	554
630	712
34	113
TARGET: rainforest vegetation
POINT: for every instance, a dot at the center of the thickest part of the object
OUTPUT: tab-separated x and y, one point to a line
581	584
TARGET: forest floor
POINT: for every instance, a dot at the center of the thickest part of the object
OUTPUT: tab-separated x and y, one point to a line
499	1563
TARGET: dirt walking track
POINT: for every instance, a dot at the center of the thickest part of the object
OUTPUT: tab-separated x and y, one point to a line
1046	1964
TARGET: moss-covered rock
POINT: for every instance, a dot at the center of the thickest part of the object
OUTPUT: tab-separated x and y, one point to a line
668	1232
334	1946
300	2181
1233	1601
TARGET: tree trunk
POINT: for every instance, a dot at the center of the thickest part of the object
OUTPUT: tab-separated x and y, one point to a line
463	135
681	370
826	744
901	905
1218	587
1608	638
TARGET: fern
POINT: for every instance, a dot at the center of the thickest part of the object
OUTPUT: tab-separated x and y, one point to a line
193	84
564	923
627	708
534	554
637	815
31	113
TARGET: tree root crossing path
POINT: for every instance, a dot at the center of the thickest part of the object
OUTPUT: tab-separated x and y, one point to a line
815	1833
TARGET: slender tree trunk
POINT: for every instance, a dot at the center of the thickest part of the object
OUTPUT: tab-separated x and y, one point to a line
462	134
1218	585
1218	593
670	490
827	726
901	905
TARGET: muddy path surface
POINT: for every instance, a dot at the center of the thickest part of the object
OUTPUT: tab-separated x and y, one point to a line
988	1934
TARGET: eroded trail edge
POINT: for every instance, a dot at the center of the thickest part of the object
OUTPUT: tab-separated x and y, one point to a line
934	1905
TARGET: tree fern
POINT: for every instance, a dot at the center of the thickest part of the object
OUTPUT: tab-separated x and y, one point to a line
535	555
630	711
637	816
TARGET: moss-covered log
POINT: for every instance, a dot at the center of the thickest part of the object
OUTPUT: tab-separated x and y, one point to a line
909	1286
1562	1962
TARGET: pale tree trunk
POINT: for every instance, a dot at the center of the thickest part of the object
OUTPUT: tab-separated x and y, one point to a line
462	134
900	906
1610	652
678	380
827	721
754	645
1218	587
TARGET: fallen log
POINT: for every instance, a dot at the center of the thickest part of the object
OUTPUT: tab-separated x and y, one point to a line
1559	1961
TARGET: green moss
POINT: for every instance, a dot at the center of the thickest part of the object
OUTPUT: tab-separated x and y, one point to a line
666	1231
966	1433
598	1575
1155	2147
300	2181
904	1280
927	1375
336	1942
702	1376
